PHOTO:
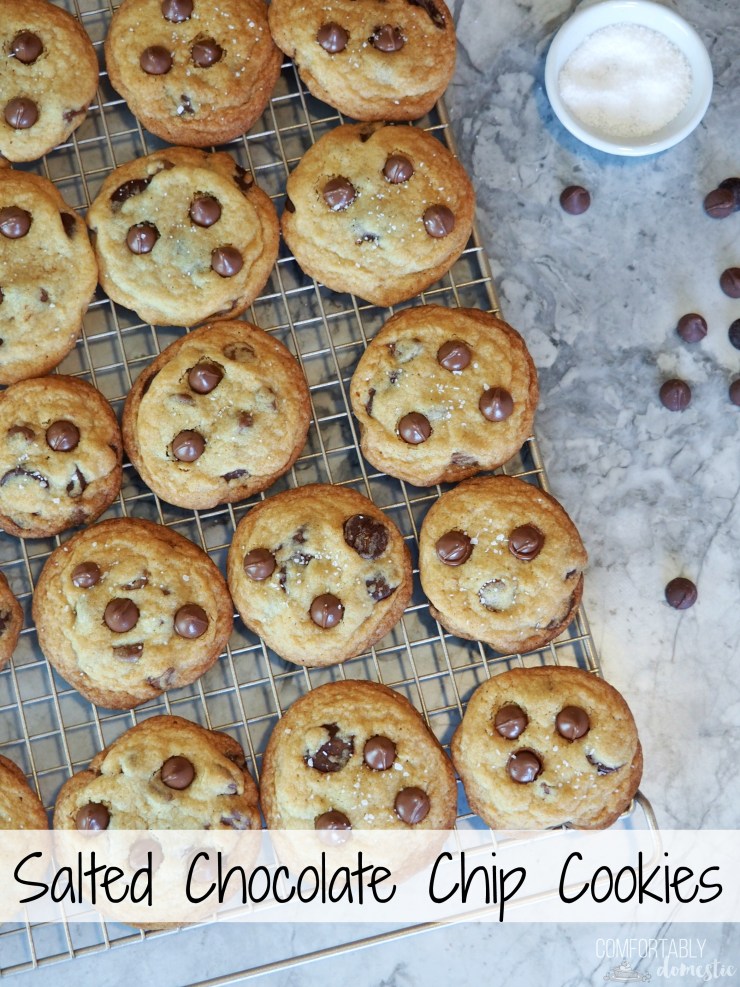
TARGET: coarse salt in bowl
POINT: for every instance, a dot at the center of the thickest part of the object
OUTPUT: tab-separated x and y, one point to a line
619	87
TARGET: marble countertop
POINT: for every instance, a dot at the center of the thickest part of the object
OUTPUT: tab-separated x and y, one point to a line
654	494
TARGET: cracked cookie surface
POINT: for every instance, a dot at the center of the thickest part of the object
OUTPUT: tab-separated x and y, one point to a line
20	806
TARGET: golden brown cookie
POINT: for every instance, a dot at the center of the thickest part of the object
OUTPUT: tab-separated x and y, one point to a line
356	755
48	275
442	393
378	211
218	416
128	609
11	621
48	77
164	773
501	562
183	235
20	806
375	60
544	747
60	456
320	573
196	72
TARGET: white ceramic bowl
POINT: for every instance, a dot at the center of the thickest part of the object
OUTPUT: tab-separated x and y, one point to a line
648	14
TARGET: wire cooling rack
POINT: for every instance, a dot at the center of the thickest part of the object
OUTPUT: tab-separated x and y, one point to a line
48	728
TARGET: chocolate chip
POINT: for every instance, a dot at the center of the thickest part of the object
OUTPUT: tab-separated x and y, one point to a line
289	204
675	395
601	769
21	113
241	352
333	754
525	542
510	721
138	583
327	611
681	593
206	53
23	431
19	473
236	820
733	184
134	186
575	199
69	222
378	588
234	475
367	238
141	238
729	282
387	38
334	827
62	436
177	772
14	222
128	652
243	178
187	446
300	536
733	334
439	221
77	484
454	548
332	37
339	193
412	805
155	60
414	428
572	722
369	403
259	564
205	210
226	261
186	105
177	11
69	115
454	355
462	459
86	575
140	852
524	766
94	815
121	615
162	682
692	327
191	621
205	377
368	537
245	420
379	753
26	47
43	295
496	404
734	391
398	169
719	203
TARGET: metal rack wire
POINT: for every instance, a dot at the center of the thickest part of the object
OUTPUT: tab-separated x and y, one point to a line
50	730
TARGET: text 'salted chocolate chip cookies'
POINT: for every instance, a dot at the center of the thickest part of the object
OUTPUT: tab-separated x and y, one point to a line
375	60
128	609
320	573
183	235
48	77
442	393
196	72
218	416
48	275
501	562
20	806
11	621
378	211
543	747
60	456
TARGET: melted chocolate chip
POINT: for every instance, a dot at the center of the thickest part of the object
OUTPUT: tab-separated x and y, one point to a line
601	769
454	355
414	428
94	815
369	402
675	395
332	37
121	615
259	564
463	460
21	113
162	682
155	60
187	446
234	475
186	105
62	436
692	327
412	805
733	184
19	473
205	210
572	722
575	199
205	377
379	753
681	593
86	575
368	537
334	754
226	261
729	282
719	203
23	431
496	404
77	484
439	221
14	222
177	772
524	767
387	38
398	169
454	548
141	238
128	652
510	721
26	47
177	11
206	53
435	14
245	420
334	827
191	621
69	115
339	193
134	186
289	204
69	222
327	611
379	589
525	542
138	583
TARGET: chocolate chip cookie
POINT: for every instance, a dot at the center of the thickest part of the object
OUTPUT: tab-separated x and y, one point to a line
11	621
196	72
164	773
183	235
501	562
218	416
442	393
20	806
48	275
376	60
356	755
48	77
128	609
379	211
60	456
544	747
320	573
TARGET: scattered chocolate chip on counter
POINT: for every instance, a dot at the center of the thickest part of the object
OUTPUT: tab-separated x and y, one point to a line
680	593
735	392
692	327
575	199
675	395
729	282
719	203
734	333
